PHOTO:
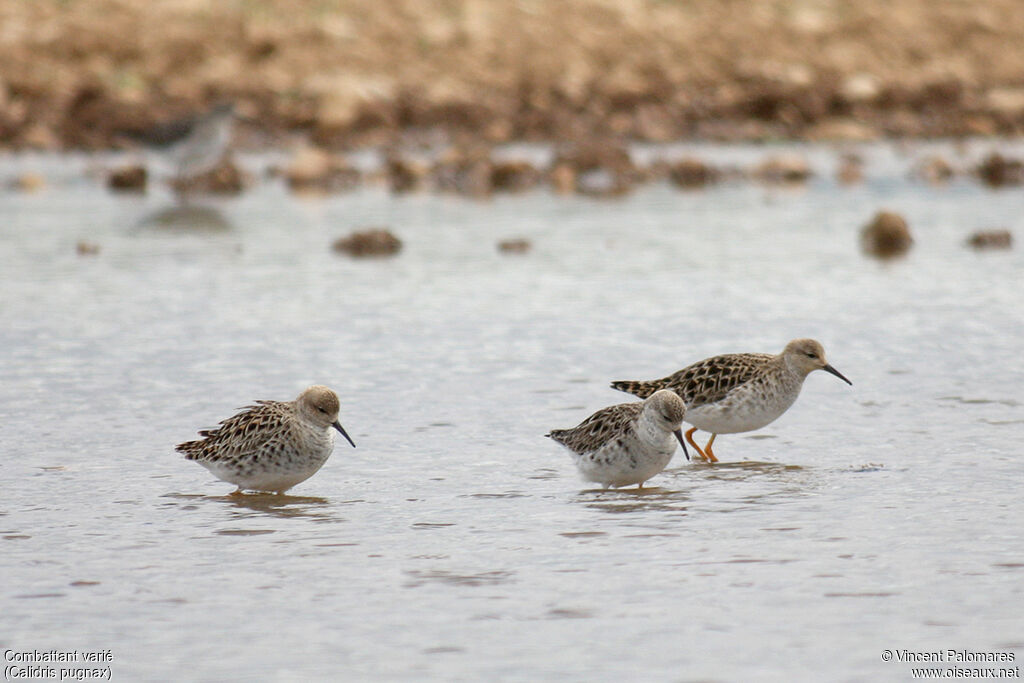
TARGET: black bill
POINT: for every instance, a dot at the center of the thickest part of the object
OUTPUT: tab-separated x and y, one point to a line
679	436
832	370
337	425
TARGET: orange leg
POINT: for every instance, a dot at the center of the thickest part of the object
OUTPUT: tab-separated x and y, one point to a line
707	449
700	451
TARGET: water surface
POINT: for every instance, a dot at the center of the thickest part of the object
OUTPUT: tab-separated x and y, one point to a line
455	542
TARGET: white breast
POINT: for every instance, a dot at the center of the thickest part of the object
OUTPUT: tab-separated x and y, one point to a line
745	409
643	453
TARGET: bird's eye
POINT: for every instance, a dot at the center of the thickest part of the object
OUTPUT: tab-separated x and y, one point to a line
811	354
321	409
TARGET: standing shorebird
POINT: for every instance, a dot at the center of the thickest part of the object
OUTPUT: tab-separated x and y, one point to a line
195	144
273	445
738	392
627	443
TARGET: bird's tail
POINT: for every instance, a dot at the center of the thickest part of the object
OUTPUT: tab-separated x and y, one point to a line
189	448
641	389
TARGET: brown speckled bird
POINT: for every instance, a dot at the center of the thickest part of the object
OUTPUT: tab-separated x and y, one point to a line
273	445
738	392
627	443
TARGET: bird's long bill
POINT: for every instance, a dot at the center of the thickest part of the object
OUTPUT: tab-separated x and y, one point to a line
337	425
832	370
679	436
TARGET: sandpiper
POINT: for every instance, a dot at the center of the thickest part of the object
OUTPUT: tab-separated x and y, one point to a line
273	445
194	144
627	443
738	392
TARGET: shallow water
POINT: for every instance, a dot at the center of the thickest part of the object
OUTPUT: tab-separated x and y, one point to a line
455	542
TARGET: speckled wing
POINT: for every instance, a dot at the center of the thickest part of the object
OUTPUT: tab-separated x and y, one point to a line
705	381
599	428
245	433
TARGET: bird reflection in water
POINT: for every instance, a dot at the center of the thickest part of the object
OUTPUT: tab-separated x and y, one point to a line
280	506
190	218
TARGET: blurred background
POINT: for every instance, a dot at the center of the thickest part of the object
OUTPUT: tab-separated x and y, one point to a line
467	218
343	72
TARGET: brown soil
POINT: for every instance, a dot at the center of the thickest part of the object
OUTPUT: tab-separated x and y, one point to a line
76	73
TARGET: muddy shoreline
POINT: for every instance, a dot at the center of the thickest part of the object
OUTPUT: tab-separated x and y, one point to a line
78	74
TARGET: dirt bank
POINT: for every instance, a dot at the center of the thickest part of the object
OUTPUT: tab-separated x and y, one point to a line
75	72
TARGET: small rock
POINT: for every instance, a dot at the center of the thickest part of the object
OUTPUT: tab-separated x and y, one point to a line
600	168
997	171
225	179
657	170
851	169
499	131
39	136
514	176
372	242
887	235
28	182
655	123
316	171
1007	100
860	87
842	129
690	173
600	182
563	178
934	170
128	179
991	239
84	248
406	175
514	246
465	171
788	168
